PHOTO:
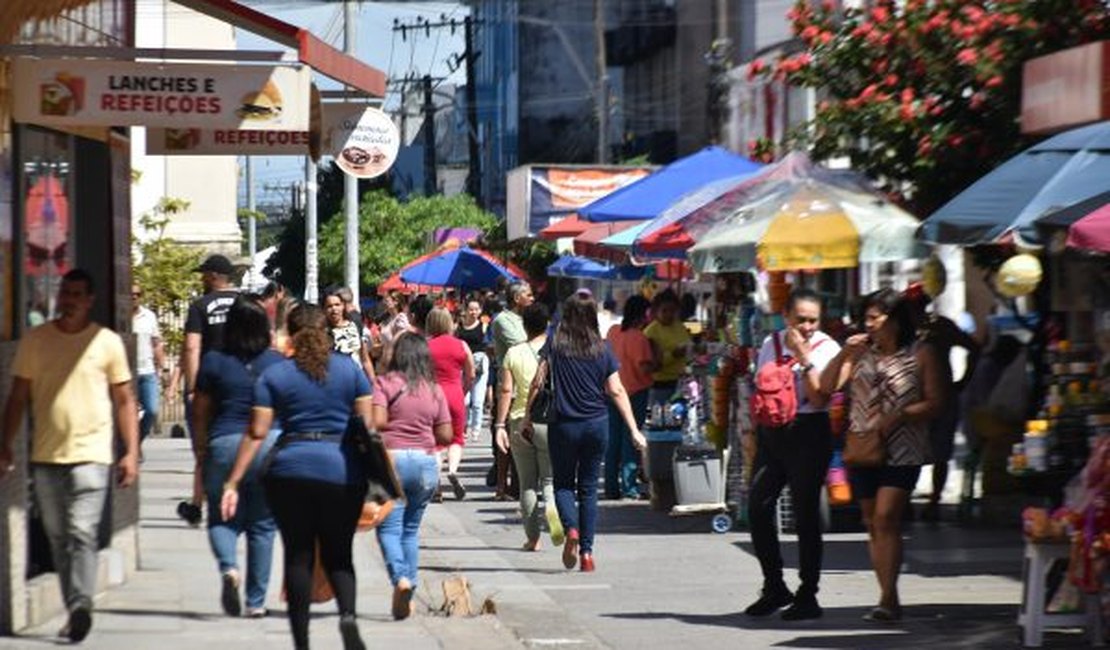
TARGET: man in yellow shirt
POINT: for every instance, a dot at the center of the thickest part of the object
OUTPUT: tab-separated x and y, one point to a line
74	373
669	342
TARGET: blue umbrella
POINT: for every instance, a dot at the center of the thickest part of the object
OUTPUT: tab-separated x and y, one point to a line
462	268
1058	172
648	197
573	266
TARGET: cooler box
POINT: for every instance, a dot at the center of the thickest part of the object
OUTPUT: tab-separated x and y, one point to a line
658	461
697	475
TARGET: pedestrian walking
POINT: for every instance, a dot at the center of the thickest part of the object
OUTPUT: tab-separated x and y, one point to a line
637	361
204	323
150	361
531	456
797	453
583	371
895	390
411	412
75	376
939	335
454	371
315	485
507	330
472	331
669	340
221	415
346	334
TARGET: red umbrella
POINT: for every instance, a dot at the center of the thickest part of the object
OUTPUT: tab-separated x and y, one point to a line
571	226
588	243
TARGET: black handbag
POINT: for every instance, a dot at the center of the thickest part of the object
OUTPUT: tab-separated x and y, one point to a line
370	450
542	410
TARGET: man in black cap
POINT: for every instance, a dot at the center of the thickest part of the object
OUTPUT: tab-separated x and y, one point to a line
204	325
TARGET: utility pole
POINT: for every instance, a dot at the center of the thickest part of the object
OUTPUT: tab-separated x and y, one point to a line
252	225
474	172
350	183
431	184
311	263
602	84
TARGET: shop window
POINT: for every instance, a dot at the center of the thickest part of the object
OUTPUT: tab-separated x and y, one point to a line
45	245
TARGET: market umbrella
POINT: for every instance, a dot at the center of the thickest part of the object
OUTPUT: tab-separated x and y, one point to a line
589	243
808	224
1086	224
463	268
648	197
1060	171
683	224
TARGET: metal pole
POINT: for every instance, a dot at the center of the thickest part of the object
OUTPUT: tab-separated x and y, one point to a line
602	84
431	184
311	270
350	183
252	223
474	175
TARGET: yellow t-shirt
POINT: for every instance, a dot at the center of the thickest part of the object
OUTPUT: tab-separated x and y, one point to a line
70	404
522	362
668	338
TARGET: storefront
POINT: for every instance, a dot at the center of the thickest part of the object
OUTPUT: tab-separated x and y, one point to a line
65	187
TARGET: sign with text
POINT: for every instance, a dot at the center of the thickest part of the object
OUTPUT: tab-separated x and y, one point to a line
363	140
87	92
1066	89
225	142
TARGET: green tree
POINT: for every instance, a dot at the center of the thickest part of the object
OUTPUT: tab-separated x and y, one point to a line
392	233
923	95
161	268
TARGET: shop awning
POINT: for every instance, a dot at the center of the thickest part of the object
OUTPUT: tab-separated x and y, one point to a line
311	51
14	13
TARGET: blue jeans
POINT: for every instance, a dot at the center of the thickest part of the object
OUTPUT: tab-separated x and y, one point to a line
149	400
399	534
577	447
620	456
252	517
476	398
71	499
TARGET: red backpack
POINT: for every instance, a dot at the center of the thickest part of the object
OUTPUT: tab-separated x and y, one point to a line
775	400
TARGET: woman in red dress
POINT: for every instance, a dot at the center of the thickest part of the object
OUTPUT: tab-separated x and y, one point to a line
455	375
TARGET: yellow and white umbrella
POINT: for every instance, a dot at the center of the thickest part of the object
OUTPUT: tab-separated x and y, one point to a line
807	224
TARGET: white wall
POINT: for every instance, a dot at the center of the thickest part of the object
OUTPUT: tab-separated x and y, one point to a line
209	183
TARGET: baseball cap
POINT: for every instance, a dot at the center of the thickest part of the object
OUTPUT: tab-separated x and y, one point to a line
217	264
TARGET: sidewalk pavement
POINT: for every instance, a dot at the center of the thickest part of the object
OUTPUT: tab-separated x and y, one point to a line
172	601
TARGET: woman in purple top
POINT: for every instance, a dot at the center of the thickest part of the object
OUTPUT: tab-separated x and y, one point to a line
585	375
411	412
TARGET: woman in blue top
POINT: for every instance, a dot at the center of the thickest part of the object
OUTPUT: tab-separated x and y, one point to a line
584	371
314	484
221	413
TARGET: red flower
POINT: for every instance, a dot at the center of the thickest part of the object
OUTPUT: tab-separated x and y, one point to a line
810	33
907	112
907	95
869	92
755	68
977	101
994	82
862	30
880	14
826	38
925	146
967	56
973	13
891	80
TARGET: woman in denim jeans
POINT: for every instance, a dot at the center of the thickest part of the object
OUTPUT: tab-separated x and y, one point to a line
221	414
473	332
410	411
584	373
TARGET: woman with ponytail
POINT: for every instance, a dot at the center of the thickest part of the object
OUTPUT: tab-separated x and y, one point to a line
314	484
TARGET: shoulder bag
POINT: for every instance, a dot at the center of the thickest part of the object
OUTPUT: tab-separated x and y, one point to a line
542	410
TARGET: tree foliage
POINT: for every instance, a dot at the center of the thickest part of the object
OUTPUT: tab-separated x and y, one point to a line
162	269
924	95
392	233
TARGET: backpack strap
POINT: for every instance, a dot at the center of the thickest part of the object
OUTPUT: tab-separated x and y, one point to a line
778	347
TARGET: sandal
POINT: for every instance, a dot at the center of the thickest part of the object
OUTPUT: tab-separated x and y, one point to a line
883	615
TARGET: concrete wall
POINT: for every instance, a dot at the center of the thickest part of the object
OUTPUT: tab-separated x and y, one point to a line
209	183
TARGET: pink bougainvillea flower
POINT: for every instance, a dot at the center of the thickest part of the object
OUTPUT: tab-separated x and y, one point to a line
994	82
967	56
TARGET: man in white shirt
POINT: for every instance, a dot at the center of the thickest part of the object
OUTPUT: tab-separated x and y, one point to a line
797	455
150	360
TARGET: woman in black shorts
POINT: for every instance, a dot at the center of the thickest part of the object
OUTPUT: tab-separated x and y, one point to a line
895	388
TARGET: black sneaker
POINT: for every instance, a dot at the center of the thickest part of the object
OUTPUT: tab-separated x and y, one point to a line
769	602
80	622
803	609
229	594
348	629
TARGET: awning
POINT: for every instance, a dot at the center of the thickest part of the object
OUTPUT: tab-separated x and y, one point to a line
311	51
14	13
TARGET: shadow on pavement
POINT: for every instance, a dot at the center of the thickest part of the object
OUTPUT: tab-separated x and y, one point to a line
923	626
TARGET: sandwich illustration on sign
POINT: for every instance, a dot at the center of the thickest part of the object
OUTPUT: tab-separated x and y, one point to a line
62	95
181	139
261	105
